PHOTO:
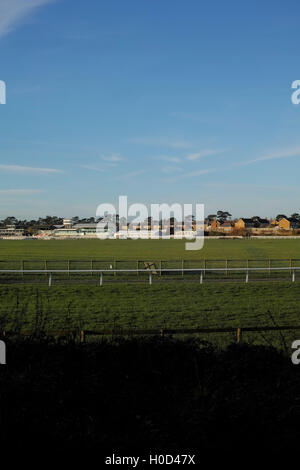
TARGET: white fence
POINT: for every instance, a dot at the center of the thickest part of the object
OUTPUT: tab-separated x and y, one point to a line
200	272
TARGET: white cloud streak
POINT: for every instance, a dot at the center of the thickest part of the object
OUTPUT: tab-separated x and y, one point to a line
176	144
171	169
92	168
114	157
132	174
13	12
18	192
203	153
288	153
28	169
166	158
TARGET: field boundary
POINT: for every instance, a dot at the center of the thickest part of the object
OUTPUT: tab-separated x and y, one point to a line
201	272
83	334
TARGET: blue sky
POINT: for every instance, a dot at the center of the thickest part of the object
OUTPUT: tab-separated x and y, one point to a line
162	101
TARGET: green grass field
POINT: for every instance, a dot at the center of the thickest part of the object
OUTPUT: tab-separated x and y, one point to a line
142	306
160	305
146	249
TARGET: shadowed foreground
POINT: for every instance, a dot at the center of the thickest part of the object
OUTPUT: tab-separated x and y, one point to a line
141	395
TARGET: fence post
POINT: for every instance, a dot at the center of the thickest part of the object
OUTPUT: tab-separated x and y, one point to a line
238	335
82	336
201	277
101	279
150	278
293	276
50	280
247	276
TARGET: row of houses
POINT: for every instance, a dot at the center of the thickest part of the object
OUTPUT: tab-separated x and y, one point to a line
253	225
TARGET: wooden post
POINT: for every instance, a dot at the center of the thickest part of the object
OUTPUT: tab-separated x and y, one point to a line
238	335
150	278
82	336
101	279
50	280
293	276
201	277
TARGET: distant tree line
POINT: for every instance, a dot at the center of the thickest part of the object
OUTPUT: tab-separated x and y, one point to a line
49	222
42	223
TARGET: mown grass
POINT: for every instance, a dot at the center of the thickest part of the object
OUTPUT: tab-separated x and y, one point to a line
188	305
138	305
146	249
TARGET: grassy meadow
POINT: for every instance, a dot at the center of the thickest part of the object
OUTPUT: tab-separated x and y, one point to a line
147	249
138	305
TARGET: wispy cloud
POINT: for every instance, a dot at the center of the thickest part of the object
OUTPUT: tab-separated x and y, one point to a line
28	169
176	144
166	158
287	153
92	168
263	187
13	12
205	171
203	153
18	192
171	169
129	175
114	157
191	174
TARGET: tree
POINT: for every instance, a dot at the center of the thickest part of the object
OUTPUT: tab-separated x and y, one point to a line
223	216
280	216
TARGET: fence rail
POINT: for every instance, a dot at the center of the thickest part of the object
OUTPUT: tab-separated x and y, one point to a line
201	272
83	334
